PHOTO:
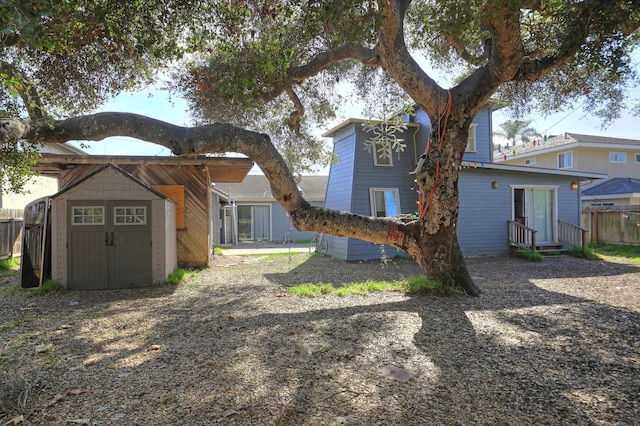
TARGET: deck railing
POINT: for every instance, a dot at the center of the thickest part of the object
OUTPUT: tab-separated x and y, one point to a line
521	236
571	234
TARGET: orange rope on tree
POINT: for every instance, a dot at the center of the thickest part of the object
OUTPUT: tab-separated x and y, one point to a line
423	208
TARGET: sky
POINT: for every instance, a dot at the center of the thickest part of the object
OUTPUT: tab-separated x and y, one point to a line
159	105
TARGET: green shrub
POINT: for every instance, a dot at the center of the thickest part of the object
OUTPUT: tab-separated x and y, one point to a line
309	290
423	285
49	286
10	264
217	251
530	256
178	275
584	253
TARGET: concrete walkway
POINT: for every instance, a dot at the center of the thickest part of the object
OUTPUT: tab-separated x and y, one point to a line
243	249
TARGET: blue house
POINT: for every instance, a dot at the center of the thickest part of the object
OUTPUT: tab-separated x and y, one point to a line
501	206
250	213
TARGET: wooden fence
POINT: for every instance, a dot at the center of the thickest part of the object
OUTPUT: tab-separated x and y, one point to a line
10	238
612	224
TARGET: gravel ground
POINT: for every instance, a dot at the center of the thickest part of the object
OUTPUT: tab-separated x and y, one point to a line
555	342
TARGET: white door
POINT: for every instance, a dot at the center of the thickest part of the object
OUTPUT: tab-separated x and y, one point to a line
539	211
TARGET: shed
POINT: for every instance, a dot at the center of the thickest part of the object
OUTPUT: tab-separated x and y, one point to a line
185	180
111	230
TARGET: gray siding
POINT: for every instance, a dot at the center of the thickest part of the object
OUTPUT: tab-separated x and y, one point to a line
483	138
484	212
370	176
340	185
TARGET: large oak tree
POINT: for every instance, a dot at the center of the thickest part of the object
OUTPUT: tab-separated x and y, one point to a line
271	71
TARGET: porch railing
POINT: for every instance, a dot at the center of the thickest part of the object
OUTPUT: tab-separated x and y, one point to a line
571	234
521	236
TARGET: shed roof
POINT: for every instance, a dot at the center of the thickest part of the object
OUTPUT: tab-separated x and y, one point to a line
257	187
613	186
221	169
117	169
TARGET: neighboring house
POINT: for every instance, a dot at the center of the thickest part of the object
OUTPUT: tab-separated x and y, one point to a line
500	204
185	180
612	192
38	186
615	157
249	213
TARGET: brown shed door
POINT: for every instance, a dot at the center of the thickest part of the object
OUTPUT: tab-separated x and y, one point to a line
109	244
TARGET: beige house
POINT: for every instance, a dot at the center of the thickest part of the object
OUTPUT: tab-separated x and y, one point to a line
38	186
614	157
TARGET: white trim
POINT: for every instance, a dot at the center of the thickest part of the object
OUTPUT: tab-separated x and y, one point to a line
372	202
637	156
73	215
617	154
239	204
472	145
611	196
558	160
554	207
529	169
125	215
376	158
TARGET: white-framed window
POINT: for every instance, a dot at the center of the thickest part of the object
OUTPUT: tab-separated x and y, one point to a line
617	157
382	155
384	202
471	140
637	158
87	215
529	161
565	160
130	215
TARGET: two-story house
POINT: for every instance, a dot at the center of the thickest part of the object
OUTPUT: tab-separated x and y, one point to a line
615	157
501	204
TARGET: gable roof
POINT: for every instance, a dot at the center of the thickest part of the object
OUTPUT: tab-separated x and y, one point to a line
613	186
117	169
569	141
257	188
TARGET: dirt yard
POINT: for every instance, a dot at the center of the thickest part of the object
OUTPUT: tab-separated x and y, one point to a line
548	343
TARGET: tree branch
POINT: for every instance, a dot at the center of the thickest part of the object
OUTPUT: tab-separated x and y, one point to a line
399	63
213	138
27	91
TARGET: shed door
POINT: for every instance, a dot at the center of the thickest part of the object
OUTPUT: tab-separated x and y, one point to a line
109	244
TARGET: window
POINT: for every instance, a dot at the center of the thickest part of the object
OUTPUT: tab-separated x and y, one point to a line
638	158
530	162
382	155
471	141
89	215
130	215
384	202
565	160
617	157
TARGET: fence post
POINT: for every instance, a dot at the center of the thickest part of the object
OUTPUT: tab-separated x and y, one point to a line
11	236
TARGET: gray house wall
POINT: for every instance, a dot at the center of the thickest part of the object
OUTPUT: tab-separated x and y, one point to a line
484	212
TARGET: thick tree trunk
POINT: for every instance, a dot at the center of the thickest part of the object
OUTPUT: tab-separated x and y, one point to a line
442	260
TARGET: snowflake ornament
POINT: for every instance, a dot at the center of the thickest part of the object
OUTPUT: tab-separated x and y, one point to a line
385	139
